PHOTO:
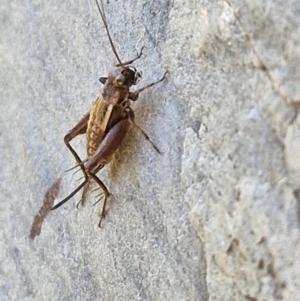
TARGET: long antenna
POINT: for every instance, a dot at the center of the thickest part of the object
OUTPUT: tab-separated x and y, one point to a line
103	17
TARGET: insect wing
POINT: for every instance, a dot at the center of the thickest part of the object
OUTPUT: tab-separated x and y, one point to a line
97	125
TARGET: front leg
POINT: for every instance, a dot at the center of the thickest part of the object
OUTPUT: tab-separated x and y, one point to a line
134	95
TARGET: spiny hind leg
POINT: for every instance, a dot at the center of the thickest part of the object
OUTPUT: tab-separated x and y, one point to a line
103	155
83	195
79	129
105	195
86	186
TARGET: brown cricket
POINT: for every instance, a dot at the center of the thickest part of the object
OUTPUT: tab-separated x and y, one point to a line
108	121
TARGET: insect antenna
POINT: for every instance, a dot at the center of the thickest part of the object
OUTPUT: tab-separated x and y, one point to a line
103	17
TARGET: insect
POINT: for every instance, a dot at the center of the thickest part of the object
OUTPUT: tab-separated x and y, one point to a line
107	122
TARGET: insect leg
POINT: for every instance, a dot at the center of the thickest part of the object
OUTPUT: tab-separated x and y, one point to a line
80	128
134	95
106	195
131	61
103	154
84	192
86	187
108	146
145	135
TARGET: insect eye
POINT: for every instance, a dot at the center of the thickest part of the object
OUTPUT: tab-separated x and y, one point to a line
125	73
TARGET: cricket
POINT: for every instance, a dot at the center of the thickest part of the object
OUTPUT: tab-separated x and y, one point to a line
107	122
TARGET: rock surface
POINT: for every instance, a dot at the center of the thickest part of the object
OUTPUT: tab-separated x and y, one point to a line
217	216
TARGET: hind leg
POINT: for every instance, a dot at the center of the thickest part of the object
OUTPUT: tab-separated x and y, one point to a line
106	194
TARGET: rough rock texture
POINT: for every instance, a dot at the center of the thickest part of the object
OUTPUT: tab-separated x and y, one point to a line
217	216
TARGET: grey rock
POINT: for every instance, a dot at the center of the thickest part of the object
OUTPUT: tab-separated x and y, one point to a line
216	217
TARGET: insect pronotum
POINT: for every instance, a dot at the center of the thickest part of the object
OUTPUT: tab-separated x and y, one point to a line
107	122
